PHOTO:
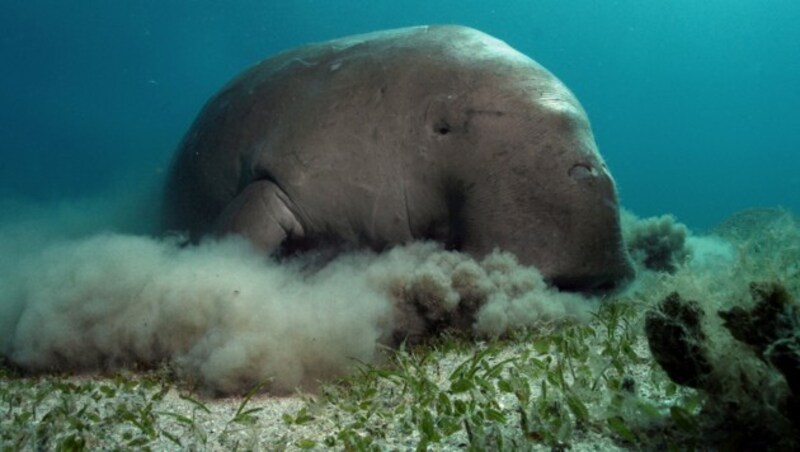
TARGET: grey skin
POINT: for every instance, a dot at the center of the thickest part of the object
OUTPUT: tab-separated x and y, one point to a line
435	132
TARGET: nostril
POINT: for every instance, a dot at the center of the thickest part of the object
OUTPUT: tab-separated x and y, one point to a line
581	171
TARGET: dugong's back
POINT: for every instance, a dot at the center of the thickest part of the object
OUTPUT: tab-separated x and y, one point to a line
441	133
331	124
320	117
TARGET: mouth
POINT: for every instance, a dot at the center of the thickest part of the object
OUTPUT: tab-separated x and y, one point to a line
595	284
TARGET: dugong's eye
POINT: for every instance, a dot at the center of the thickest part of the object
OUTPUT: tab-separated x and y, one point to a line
442	127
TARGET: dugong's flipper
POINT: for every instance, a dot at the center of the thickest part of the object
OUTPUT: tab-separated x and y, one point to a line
260	213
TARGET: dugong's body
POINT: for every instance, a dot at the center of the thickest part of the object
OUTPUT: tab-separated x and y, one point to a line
440	132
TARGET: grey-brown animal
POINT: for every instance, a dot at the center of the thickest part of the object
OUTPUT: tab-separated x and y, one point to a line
425	133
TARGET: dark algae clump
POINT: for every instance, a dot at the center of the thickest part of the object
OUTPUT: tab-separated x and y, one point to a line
745	407
677	340
770	328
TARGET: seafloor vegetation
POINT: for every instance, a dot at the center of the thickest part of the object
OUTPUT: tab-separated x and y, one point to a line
555	387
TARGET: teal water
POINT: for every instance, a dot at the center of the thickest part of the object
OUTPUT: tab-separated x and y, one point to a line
694	104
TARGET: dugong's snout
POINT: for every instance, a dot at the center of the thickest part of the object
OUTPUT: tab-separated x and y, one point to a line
598	259
598	264
595	261
616	276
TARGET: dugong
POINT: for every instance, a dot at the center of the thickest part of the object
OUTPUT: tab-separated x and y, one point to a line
425	133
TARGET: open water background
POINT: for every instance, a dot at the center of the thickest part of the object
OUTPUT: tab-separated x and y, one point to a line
694	104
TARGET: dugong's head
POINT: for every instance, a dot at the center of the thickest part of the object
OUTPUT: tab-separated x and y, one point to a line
525	173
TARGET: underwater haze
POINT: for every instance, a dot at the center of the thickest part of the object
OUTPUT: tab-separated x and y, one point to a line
695	107
693	104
